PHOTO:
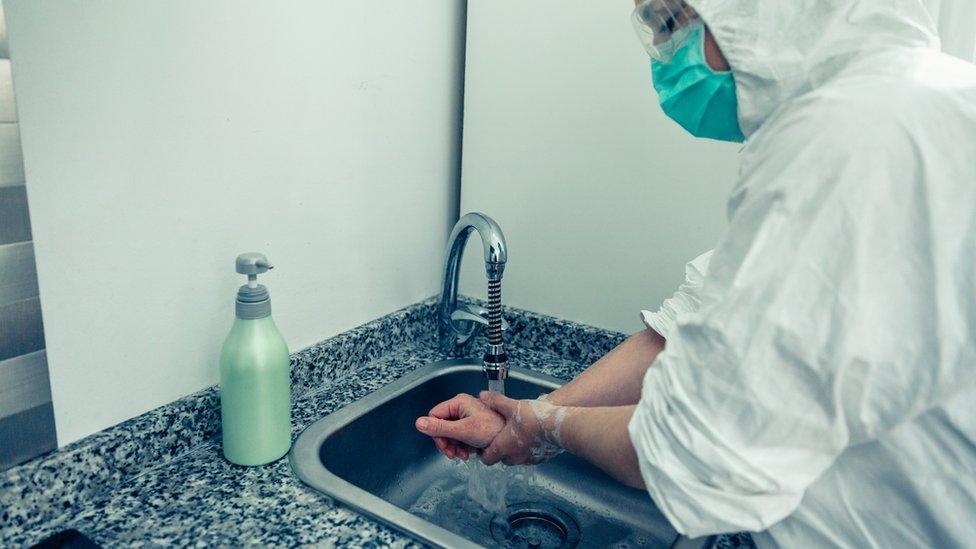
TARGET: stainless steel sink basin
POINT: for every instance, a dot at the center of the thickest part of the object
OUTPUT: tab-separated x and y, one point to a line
369	456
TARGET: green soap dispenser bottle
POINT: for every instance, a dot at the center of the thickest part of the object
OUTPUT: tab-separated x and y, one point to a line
255	381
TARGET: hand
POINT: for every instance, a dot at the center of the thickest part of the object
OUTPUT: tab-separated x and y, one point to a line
461	425
531	432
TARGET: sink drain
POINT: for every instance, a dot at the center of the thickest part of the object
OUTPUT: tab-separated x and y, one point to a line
536	526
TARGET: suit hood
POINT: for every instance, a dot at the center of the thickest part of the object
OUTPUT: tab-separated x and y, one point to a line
779	49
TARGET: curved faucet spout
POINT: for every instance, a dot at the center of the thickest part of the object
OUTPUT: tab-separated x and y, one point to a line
496	255
455	330
492	239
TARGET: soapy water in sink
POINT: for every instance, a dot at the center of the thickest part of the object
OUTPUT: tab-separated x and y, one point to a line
475	487
467	501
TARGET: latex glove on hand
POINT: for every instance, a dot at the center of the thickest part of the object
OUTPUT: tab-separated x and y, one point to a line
531	431
461	425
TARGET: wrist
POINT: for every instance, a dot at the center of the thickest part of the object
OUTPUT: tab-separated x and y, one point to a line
552	421
542	423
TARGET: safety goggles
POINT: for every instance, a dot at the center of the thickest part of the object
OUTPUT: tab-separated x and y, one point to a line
663	26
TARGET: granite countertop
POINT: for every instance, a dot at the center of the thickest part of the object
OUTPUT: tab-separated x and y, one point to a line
160	478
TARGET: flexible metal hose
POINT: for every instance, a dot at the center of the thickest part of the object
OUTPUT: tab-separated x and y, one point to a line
494	312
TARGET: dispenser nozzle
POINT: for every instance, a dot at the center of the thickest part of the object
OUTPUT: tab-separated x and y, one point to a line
253	264
253	301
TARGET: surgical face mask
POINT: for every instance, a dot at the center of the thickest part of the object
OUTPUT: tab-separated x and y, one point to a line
698	98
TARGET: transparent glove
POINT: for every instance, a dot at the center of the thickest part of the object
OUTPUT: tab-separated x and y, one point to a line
531	431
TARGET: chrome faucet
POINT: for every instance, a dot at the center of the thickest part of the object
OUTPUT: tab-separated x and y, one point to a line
459	324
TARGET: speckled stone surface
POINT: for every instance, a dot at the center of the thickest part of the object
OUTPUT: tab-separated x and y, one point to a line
160	479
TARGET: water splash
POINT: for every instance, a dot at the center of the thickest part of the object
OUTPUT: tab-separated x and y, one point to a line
488	485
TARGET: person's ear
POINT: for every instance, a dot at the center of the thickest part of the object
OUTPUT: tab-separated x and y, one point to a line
713	54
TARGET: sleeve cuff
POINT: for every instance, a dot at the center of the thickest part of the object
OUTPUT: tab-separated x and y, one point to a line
686	300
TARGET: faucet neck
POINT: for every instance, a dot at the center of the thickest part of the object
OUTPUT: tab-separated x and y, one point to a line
495	256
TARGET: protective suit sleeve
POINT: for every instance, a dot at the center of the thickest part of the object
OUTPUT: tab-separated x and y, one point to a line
685	300
808	337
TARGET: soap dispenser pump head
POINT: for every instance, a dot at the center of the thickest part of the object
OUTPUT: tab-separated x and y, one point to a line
253	300
252	264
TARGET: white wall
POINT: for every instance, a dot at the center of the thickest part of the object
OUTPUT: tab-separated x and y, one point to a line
601	197
163	137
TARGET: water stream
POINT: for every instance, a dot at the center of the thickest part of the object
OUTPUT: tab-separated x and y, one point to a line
496	386
488	486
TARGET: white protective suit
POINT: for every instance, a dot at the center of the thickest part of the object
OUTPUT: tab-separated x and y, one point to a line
819	379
